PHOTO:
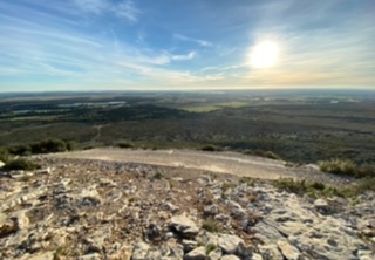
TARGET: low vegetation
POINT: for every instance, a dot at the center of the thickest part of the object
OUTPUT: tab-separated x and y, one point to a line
347	167
211	225
261	153
20	165
209	148
4	155
316	190
45	146
124	145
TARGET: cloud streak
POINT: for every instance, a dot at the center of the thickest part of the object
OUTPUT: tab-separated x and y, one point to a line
83	44
185	38
125	9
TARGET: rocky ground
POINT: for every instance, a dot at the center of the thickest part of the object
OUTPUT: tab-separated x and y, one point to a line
91	209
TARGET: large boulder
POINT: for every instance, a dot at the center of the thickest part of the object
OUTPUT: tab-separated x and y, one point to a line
184	227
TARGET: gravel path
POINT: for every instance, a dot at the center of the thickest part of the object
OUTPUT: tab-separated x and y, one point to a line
225	162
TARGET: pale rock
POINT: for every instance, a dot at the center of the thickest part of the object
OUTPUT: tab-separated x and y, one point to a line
170	207
189	245
321	205
198	253
229	243
140	251
40	256
215	254
93	256
256	257
287	250
229	257
211	209
184	226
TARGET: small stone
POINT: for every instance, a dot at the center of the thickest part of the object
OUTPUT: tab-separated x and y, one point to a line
321	206
198	253
7	225
140	251
184	227
288	251
229	243
229	257
189	245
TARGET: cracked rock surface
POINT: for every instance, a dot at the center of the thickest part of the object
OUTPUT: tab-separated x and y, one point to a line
92	209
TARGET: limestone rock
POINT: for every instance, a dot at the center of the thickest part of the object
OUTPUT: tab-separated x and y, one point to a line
321	205
229	257
229	243
184	227
288	251
7	225
198	253
40	256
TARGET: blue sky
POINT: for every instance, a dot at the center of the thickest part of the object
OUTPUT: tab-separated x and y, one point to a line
175	44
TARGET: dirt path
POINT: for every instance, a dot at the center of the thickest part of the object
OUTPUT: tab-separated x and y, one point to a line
225	162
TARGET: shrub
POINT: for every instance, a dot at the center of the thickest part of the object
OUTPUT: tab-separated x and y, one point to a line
158	176
125	145
210	248
20	164
208	148
21	150
71	145
261	153
211	225
338	166
48	146
365	170
4	155
289	185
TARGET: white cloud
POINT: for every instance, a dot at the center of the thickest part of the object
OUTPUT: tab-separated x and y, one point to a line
182	57
127	10
185	38
92	6
123	9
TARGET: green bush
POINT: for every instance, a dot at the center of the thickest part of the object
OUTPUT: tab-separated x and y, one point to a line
125	145
338	166
210	248
365	170
71	145
4	155
347	167
20	164
49	146
209	148
20	150
158	176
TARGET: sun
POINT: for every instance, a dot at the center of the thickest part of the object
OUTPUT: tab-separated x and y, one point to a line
264	54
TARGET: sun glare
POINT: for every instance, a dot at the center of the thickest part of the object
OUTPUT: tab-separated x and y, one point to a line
264	54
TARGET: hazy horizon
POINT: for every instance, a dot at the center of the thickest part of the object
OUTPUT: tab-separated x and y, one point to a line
111	45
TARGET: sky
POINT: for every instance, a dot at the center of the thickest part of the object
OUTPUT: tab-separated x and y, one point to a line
48	45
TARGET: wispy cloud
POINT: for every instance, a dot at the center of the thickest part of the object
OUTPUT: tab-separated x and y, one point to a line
185	38
123	9
85	44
